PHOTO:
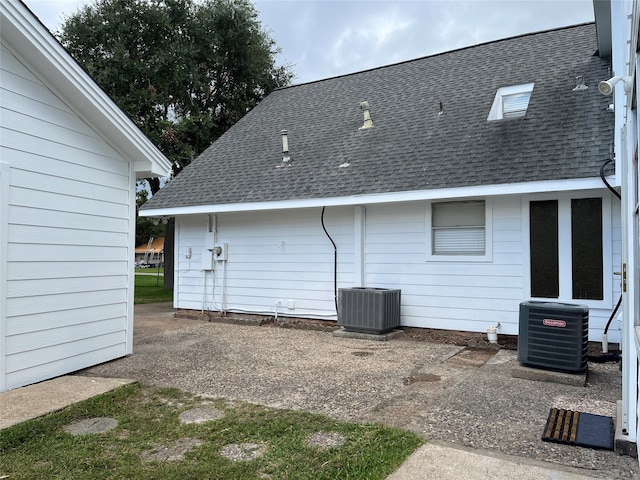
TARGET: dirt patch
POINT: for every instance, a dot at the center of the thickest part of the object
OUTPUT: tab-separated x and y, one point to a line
422	377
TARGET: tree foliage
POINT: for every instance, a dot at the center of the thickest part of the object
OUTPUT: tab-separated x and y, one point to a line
183	71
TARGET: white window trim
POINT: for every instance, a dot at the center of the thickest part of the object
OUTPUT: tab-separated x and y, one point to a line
488	236
564	249
496	112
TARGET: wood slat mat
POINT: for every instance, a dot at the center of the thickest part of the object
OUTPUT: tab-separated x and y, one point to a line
576	428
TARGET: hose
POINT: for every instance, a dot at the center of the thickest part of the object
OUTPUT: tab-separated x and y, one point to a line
335	261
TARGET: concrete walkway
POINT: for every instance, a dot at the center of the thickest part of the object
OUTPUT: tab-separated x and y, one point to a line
36	400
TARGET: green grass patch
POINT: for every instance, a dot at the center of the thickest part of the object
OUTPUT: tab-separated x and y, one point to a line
155	270
150	289
148	419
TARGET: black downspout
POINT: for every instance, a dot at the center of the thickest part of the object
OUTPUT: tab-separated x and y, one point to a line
615	192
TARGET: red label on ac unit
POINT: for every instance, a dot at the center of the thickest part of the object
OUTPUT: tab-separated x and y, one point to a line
549	322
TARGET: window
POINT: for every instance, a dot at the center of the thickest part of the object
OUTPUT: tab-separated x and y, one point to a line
566	248
543	240
511	102
458	228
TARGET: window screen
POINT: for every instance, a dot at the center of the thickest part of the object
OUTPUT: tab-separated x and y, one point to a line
543	231
586	248
458	228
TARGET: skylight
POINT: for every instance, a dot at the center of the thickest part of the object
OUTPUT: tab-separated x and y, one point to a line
511	102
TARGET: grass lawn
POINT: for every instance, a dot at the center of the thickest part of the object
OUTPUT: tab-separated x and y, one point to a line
150	289
148	421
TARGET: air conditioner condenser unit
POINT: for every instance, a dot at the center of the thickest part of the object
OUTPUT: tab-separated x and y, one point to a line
553	336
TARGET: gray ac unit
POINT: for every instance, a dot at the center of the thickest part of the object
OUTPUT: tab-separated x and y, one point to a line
368	310
554	336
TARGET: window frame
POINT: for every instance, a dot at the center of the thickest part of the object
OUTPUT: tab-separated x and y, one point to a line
565	277
488	234
497	108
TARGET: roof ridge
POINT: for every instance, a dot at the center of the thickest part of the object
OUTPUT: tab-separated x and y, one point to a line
380	67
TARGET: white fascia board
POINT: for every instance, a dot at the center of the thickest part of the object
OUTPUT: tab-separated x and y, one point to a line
30	40
394	197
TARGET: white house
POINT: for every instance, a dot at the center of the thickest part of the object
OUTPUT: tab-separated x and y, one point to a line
69	159
618	25
470	180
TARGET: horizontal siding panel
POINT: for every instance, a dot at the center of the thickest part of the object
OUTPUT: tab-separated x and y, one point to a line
461	324
63	366
36	235
22	252
18	80
68	301
65	269
39	340
78	317
462	269
98	155
41	112
416	303
457	281
34	216
26	127
77	167
291	266
55	353
64	203
36	288
448	291
282	252
37	182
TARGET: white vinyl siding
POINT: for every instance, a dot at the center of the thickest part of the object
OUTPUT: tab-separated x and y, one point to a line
281	256
272	257
67	271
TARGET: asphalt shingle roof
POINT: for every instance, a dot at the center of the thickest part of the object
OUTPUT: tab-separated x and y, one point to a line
565	133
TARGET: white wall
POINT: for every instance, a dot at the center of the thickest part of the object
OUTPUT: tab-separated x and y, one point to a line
272	257
281	256
67	236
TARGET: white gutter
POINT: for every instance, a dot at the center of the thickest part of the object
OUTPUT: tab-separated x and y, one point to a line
394	197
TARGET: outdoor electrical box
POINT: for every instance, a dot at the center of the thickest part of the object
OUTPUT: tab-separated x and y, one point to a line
207	259
553	336
220	252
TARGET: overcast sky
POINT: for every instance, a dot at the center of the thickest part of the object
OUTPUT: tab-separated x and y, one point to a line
324	38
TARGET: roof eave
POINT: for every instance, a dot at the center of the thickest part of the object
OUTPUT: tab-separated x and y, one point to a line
24	33
381	198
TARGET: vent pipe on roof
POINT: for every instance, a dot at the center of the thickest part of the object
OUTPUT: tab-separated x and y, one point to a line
580	84
368	123
285	147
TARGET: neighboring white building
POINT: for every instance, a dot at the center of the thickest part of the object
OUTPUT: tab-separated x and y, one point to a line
618	25
471	183
69	159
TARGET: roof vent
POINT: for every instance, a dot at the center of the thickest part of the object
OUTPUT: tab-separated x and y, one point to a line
368	123
580	84
285	147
